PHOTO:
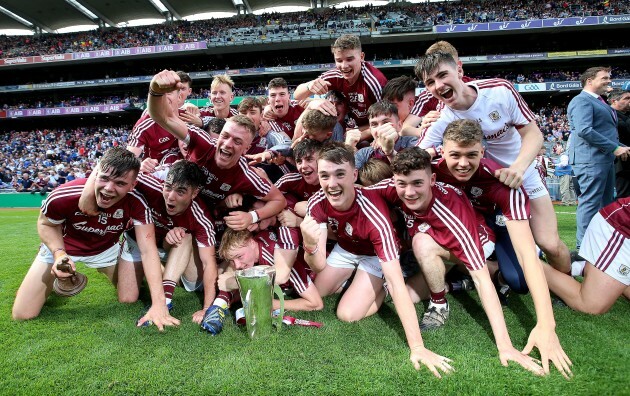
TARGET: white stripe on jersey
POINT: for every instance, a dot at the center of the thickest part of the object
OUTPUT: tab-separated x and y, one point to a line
314	200
267	256
136	132
379	221
60	193
517	204
371	81
463	236
287	177
334	73
499	82
205	223
150	182
286	239
422	99
147	210
298	284
253	177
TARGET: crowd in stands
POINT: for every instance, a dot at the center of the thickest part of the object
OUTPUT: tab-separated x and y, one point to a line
330	20
37	161
14	103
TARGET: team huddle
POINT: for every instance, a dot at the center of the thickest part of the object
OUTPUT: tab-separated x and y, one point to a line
366	191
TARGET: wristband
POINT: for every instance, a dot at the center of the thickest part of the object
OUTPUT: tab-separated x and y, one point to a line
254	215
153	93
311	252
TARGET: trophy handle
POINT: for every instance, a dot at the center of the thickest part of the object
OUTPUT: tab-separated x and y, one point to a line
278	292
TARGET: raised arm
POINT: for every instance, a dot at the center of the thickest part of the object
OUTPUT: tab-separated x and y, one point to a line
162	103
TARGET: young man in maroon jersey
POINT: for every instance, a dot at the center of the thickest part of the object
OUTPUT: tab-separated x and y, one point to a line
606	272
150	140
359	81
281	112
67	233
443	226
366	243
463	165
222	161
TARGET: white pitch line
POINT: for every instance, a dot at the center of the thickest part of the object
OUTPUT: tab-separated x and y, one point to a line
571	213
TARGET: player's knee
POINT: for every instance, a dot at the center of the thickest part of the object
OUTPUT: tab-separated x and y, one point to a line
425	249
18	314
553	247
595	308
316	305
347	315
128	298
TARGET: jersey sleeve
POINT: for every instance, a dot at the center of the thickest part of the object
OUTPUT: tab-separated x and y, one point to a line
382	234
203	229
137	137
314	208
432	137
253	184
200	145
521	114
139	209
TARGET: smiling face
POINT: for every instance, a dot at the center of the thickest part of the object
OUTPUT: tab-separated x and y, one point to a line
233	142
337	181
446	85
177	197
307	167
462	160
599	84
348	62
221	96
254	115
279	101
110	190
414	189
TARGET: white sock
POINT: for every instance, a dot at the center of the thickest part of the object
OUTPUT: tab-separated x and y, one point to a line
577	268
220	302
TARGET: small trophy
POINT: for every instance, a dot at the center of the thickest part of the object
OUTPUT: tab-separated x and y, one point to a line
72	285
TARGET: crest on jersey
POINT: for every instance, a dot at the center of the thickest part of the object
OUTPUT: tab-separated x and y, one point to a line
624	270
225	187
273	237
495	116
118	214
476	191
348	229
500	221
424	227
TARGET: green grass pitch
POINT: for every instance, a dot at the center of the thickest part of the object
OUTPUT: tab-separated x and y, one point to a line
88	345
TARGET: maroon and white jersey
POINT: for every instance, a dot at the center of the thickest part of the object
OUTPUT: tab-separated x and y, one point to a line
486	191
286	124
364	229
220	183
196	219
209	112
425	102
301	275
362	94
295	189
449	219
90	235
157	141
171	157
617	214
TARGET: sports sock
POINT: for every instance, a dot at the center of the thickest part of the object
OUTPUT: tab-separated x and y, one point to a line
223	299
577	268
169	289
438	298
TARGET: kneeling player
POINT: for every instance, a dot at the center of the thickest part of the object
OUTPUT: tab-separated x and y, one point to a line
67	233
606	248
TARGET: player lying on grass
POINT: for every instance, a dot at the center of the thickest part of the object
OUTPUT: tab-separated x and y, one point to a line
241	250
366	242
443	226
67	233
606	248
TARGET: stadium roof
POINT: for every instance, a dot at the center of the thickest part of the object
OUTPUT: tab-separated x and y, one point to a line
52	15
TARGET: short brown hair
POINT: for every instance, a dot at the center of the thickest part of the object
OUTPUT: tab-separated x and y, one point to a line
382	107
315	120
443	46
346	42
429	62
398	87
592	73
184	77
278	82
233	240
409	160
373	171
463	132
244	121
337	153
616	94
249	103
119	161
222	79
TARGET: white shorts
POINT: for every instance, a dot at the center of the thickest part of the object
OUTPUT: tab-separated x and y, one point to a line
104	259
131	252
488	249
607	249
533	184
341	258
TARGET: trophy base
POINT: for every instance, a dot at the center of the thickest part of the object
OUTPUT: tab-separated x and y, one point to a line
68	287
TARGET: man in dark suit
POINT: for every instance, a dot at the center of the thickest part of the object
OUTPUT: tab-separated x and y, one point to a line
593	146
620	101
